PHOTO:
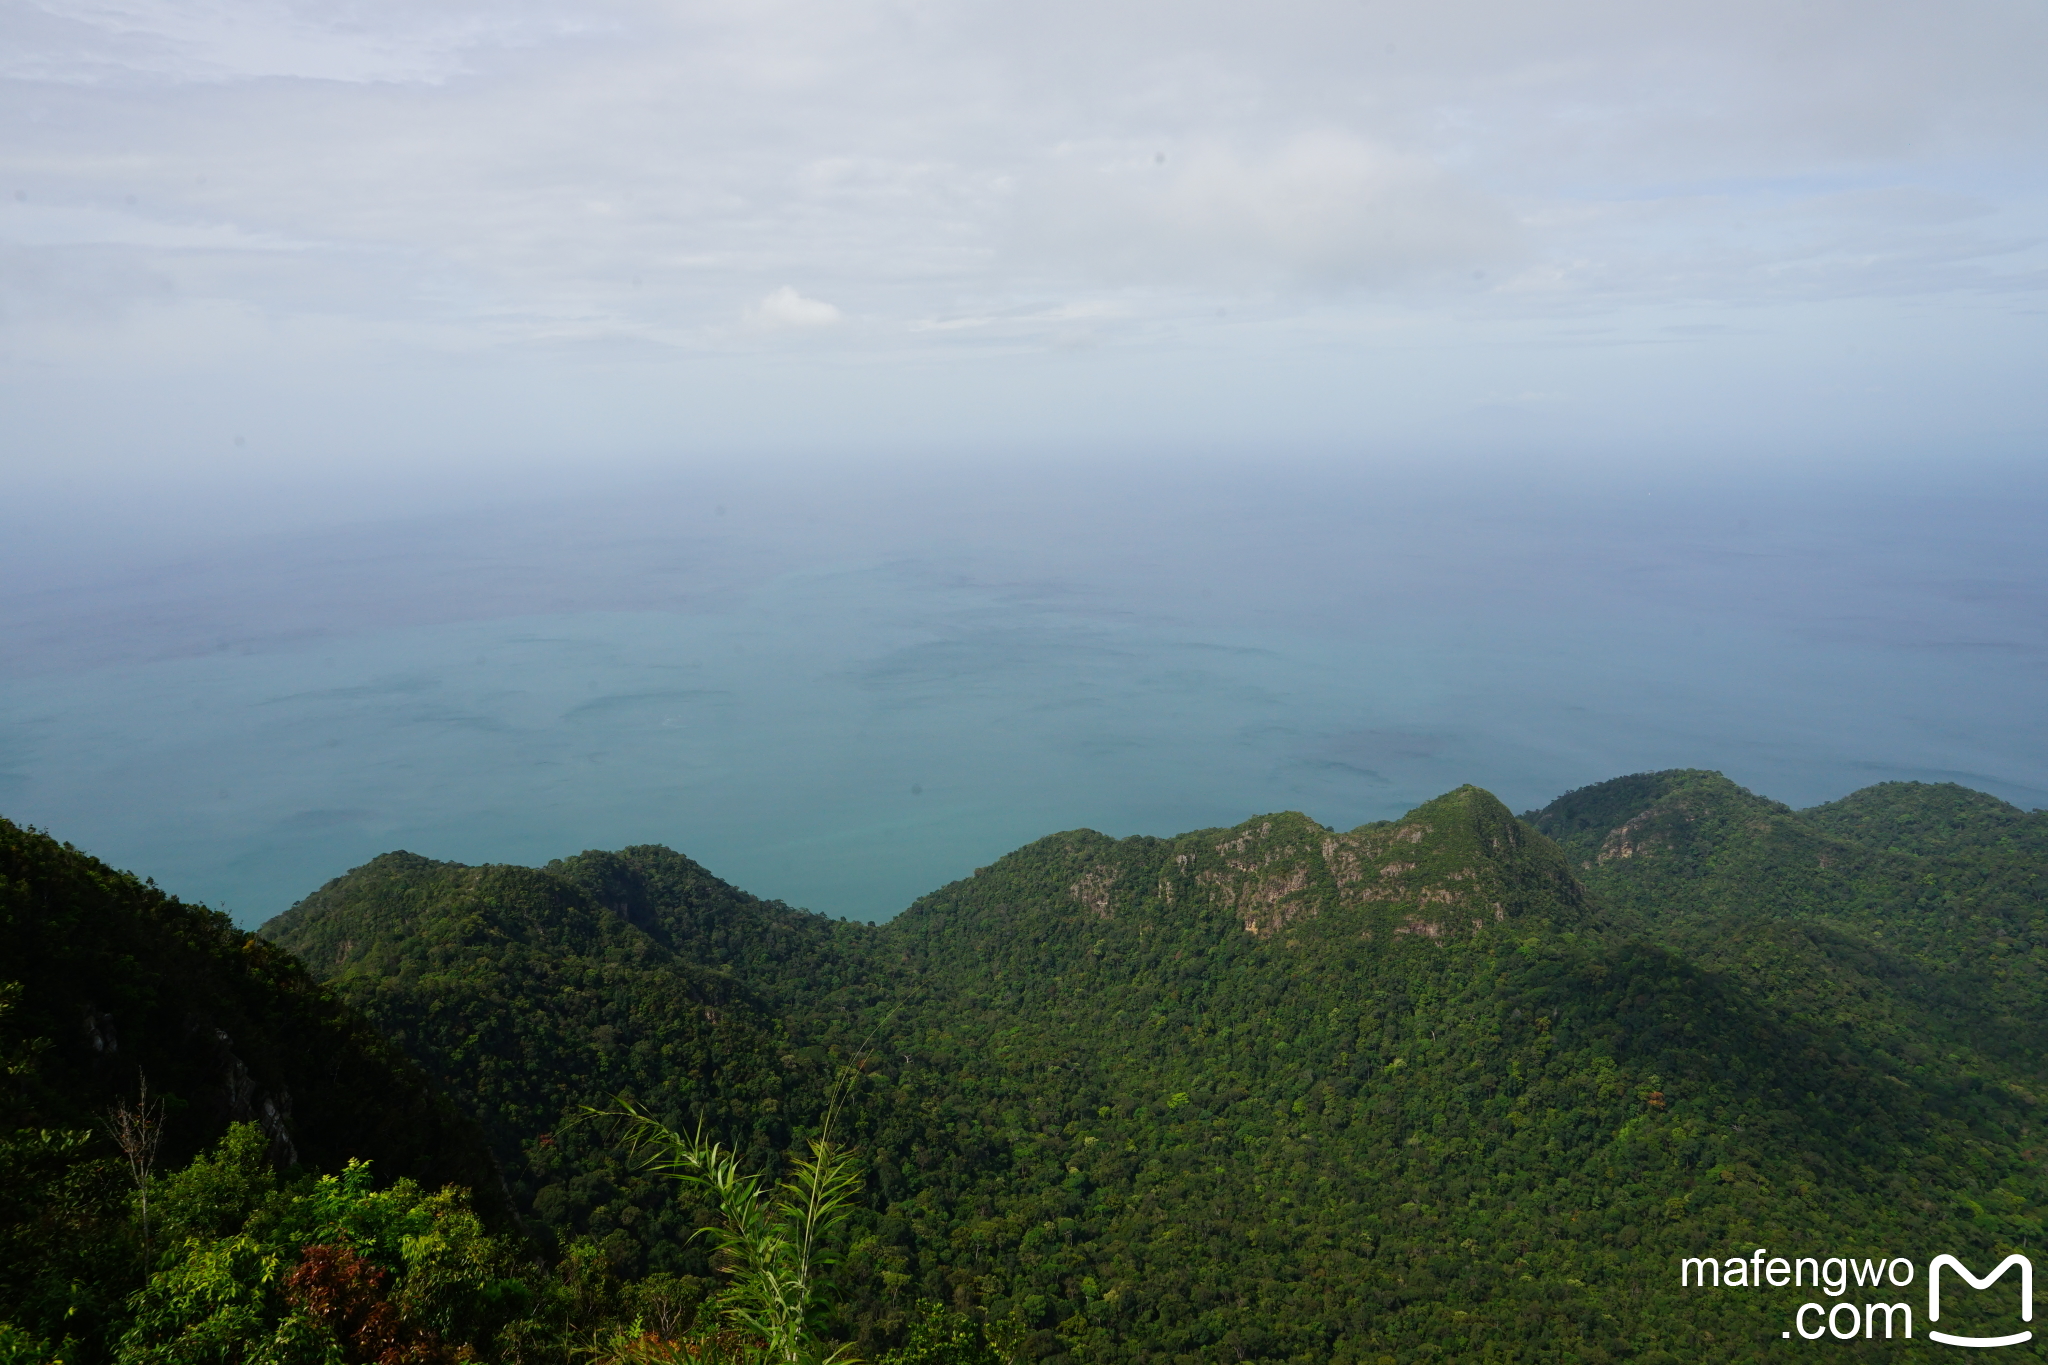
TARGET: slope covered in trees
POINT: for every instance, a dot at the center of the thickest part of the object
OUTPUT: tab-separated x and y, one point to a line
1908	914
1453	1086
105	984
291	1189
532	992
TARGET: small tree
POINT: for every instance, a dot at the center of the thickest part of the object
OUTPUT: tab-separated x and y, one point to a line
137	1129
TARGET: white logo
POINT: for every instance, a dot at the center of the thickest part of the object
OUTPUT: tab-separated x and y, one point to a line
2026	1298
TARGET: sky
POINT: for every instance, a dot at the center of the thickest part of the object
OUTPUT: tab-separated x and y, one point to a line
348	350
268	241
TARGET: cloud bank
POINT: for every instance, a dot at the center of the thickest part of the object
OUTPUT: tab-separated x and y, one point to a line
189	192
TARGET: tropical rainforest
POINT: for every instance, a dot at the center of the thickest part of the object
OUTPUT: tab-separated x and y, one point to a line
1458	1086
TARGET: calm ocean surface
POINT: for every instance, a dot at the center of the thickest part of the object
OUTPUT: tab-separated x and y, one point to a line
848	690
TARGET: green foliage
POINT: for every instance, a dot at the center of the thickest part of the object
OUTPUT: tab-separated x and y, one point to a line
773	1245
1930	819
1274	1092
216	1194
320	1269
1906	916
1455	1086
113	980
222	1301
19	1347
942	1336
67	1252
115	986
532	993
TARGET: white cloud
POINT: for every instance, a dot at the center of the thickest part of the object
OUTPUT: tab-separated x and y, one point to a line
521	182
785	309
628	166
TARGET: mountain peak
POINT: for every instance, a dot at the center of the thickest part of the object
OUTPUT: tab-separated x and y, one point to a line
1453	865
1677	812
1458	862
1925	818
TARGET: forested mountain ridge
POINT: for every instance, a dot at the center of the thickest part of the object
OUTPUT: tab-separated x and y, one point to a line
114	978
529	992
105	981
1456	865
1910	912
1272	1092
1932	819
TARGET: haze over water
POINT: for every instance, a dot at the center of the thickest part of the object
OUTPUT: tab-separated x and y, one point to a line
848	439
844	689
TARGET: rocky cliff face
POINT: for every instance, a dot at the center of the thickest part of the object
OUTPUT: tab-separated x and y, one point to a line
1458	865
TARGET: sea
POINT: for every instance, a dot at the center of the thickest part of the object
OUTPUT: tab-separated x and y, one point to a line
845	685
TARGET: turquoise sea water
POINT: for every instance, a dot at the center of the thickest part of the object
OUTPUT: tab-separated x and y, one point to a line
848	696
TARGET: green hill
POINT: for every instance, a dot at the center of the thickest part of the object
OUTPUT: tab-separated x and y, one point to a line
1932	819
1455	1086
106	982
1909	914
527	993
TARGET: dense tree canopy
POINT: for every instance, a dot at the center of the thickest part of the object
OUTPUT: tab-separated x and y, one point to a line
1457	1086
1284	1092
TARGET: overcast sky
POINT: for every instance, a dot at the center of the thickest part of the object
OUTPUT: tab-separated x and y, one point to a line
258	238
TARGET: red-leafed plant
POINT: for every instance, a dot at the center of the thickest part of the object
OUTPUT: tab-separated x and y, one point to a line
344	1292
